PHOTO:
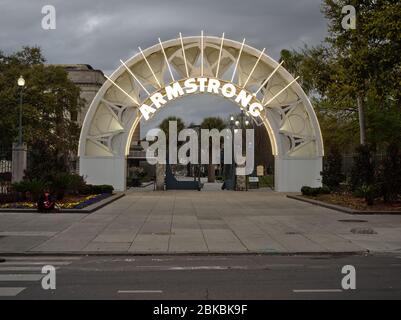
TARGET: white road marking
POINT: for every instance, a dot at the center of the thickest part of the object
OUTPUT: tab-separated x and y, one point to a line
21	277
44	258
140	291
10	268
179	268
316	290
283	265
10	291
19	263
208	268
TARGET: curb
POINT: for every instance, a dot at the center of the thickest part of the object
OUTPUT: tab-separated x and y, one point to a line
89	209
111	253
341	208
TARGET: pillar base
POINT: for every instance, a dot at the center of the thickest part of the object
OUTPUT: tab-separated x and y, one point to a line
19	161
104	170
290	175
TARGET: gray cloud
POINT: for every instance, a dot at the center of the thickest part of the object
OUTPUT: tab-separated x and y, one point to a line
101	32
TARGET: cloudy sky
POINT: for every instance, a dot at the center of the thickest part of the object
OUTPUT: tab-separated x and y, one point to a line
101	32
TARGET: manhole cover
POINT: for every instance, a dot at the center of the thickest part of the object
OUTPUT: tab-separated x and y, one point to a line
352	220
363	231
292	232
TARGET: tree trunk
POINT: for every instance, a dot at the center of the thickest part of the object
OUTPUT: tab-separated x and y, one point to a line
211	177
362	127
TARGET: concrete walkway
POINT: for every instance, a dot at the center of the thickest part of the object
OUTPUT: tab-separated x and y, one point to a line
200	222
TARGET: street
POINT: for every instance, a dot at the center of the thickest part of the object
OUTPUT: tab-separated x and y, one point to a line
203	277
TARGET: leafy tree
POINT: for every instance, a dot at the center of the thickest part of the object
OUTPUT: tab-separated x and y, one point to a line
212	123
50	104
164	125
390	173
355	73
363	169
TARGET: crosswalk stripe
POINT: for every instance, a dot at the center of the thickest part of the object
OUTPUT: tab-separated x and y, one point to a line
10	291
53	263
32	266
44	258
21	277
11	268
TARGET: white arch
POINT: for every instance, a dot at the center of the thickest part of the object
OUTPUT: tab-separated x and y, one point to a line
289	119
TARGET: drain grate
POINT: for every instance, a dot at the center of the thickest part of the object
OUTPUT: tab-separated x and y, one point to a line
363	231
352	220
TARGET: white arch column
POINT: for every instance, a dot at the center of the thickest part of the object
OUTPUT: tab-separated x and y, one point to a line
105	170
290	175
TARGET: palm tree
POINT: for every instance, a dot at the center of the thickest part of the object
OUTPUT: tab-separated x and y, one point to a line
164	125
212	123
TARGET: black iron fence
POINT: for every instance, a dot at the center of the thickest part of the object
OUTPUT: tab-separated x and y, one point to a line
5	169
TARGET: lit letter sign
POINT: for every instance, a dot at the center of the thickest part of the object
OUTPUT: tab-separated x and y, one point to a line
195	85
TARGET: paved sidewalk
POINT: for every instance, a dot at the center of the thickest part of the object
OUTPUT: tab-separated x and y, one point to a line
200	222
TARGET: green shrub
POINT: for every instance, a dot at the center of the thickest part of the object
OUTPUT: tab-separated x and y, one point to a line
31	189
266	181
59	184
65	182
332	175
76	183
369	192
97	189
325	190
310	191
389	177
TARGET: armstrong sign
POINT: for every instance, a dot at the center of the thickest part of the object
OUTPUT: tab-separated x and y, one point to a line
228	90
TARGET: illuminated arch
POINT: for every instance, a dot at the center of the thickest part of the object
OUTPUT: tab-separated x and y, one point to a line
288	115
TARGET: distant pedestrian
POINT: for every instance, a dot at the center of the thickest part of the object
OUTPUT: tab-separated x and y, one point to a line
46	201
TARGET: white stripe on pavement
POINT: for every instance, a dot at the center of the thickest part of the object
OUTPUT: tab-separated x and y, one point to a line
177	268
44	258
20	277
53	263
316	290
140	291
10	291
11	268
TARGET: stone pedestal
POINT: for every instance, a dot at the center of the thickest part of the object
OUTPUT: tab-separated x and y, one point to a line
19	157
160	172
241	183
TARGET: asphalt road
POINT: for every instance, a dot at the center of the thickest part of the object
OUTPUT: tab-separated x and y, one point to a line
202	277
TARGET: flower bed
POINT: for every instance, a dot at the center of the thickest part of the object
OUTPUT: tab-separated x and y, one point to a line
69	202
352	202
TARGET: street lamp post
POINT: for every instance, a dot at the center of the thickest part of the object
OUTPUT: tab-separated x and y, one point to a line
19	155
21	84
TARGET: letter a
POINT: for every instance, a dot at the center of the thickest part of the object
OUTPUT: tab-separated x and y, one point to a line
49	20
349	280
49	280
